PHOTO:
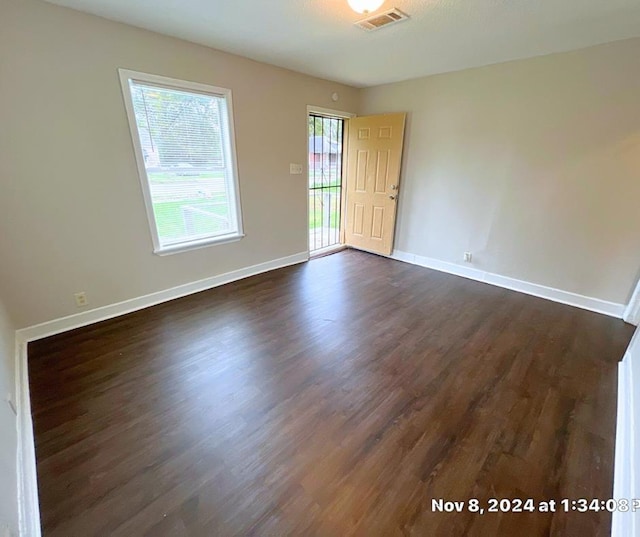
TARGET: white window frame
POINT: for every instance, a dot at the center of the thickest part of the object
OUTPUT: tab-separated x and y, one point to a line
126	76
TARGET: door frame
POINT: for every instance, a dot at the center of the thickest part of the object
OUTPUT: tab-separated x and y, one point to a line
341	114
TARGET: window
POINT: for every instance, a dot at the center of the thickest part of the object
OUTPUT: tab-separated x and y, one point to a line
183	139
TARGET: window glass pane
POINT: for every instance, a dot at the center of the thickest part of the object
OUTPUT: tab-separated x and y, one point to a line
185	146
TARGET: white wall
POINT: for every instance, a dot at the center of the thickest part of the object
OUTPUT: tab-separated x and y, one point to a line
8	423
532	165
71	210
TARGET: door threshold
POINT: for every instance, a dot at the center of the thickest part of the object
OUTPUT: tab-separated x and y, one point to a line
327	251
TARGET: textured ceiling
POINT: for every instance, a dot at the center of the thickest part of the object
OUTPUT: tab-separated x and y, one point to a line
318	37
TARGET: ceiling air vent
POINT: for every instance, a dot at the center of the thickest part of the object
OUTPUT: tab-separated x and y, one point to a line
382	19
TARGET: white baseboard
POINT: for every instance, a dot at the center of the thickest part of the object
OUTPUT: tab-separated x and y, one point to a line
27	477
28	506
632	313
556	295
626	481
103	313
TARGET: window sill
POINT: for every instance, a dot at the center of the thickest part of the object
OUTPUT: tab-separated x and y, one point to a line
196	245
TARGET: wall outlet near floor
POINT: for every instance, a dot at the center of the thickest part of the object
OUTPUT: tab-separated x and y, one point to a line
81	299
295	169
468	257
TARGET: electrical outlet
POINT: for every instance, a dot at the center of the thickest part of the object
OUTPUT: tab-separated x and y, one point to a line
81	299
468	257
295	169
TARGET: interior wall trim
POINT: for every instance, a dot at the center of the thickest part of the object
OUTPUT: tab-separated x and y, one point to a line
556	295
71	322
632	312
28	505
626	481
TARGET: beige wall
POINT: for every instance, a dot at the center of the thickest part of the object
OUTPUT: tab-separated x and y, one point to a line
533	166
8	436
71	210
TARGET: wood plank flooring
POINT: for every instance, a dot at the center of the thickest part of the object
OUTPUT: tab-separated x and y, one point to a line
334	398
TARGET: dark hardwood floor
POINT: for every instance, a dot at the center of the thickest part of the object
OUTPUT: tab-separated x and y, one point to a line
333	398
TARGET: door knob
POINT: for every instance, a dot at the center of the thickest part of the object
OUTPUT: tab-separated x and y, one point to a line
392	197
394	187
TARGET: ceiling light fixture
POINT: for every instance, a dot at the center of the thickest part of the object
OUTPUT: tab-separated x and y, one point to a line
365	6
